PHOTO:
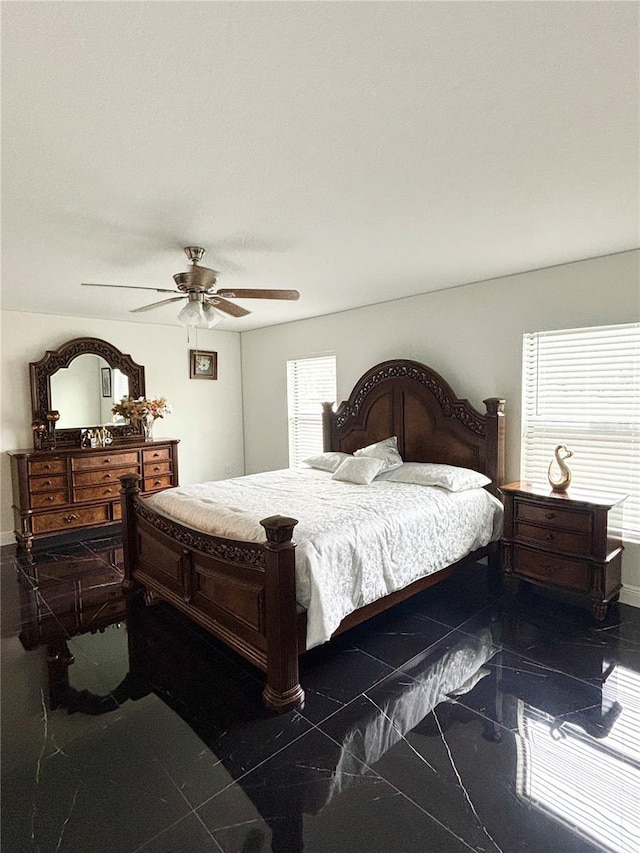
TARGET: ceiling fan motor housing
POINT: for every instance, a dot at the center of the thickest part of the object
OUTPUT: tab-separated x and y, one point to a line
197	278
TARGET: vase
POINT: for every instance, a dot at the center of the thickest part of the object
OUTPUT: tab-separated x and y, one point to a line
147	427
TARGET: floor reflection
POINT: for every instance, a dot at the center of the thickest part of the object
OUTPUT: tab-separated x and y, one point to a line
462	719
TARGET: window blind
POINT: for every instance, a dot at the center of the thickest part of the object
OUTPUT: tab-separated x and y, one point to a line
581	388
310	382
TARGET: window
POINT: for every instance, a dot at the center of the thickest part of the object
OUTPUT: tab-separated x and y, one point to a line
581	387
310	382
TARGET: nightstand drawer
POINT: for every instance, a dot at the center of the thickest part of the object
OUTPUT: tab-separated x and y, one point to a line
560	571
567	519
578	544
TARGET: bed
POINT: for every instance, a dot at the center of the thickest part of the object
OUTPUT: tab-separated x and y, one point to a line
245	591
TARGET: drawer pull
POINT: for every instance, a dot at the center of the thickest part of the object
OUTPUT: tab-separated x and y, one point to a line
549	537
107	477
47	466
157	468
48	483
70	518
106	461
107	491
157	482
50	497
549	515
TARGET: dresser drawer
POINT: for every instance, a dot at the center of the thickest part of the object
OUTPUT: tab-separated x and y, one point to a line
153	468
47	484
104	460
567	519
48	466
46	499
578	544
70	518
155	454
94	478
162	481
550	568
108	492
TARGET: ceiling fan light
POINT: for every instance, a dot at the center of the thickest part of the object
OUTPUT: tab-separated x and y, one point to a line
192	314
211	316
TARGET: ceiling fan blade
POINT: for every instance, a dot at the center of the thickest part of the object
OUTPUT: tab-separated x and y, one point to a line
156	304
130	287
227	307
246	293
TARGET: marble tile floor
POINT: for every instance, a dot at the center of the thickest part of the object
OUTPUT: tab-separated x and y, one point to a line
462	720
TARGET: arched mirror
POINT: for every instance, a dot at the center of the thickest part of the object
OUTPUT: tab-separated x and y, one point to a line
81	381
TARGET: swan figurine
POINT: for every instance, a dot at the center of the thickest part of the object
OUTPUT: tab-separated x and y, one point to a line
563	483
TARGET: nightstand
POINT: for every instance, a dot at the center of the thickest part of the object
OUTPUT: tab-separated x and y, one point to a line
563	541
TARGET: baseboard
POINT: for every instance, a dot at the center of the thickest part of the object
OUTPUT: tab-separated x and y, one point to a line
7	538
630	595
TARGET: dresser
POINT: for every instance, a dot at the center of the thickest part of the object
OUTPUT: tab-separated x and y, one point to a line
71	489
564	541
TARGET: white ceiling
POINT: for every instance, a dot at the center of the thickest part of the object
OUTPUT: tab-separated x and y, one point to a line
358	152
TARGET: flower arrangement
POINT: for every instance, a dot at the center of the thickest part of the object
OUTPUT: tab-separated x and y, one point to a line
140	410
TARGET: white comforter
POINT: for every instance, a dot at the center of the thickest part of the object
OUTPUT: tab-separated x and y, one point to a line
355	543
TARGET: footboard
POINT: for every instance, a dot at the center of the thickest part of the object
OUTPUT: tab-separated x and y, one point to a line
241	592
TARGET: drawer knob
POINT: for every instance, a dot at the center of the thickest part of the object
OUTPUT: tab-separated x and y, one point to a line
155	455
106	461
107	477
157	468
49	497
47	466
48	483
549	515
70	518
107	491
157	482
549	537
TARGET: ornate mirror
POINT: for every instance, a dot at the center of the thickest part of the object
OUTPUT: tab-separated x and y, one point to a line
81	381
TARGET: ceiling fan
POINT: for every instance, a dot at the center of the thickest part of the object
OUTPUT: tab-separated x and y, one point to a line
204	304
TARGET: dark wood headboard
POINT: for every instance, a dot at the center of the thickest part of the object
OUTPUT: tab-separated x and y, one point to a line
413	402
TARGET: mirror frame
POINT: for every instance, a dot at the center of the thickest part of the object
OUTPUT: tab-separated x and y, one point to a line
40	373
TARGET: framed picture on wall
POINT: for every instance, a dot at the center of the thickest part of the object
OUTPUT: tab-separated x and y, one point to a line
106	381
203	365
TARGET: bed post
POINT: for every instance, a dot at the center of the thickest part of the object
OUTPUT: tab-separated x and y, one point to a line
130	490
329	440
282	691
495	456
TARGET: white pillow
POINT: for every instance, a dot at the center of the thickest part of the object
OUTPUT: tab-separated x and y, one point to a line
360	471
448	477
329	461
386	450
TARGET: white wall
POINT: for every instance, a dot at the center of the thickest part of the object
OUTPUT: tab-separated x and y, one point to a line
472	335
207	415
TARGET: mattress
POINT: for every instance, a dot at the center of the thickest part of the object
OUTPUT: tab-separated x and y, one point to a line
355	543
